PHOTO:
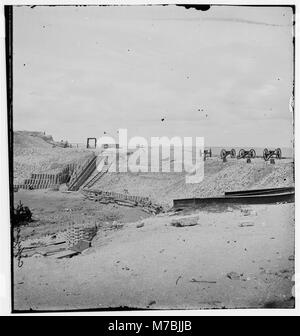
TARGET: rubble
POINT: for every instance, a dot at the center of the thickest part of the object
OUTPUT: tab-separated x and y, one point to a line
203	281
106	197
185	221
246	223
248	212
234	276
66	254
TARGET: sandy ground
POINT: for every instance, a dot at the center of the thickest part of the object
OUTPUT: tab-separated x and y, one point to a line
159	266
53	211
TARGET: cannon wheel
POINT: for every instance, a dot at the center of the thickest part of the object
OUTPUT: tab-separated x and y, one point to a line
232	153
266	154
223	154
252	153
278	153
241	153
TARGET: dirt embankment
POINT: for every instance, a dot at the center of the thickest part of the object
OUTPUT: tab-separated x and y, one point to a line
218	178
33	154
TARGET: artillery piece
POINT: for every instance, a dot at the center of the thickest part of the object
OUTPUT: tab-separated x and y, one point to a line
247	154
207	153
271	154
224	153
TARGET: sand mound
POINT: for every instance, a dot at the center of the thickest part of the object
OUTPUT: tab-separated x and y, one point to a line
25	142
33	154
219	177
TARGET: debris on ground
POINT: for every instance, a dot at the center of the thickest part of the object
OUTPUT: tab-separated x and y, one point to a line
185	221
234	275
57	245
21	215
178	279
246	223
117	226
202	281
81	245
66	254
107	197
151	303
248	212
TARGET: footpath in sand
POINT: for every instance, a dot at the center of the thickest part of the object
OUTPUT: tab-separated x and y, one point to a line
238	258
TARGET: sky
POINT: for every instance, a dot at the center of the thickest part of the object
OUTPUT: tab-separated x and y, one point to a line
225	74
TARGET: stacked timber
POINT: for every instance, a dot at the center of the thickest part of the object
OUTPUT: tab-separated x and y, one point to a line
45	181
106	197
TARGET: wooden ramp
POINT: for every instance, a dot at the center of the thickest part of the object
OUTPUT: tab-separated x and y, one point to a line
81	174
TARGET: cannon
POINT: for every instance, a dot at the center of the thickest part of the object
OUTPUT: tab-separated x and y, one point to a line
207	153
224	153
270	154
243	154
247	154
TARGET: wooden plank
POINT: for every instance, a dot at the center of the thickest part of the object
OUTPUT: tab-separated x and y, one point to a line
65	254
260	191
81	245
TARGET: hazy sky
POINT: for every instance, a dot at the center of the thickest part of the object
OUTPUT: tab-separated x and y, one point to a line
225	74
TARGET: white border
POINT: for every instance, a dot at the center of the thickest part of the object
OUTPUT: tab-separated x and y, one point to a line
5	307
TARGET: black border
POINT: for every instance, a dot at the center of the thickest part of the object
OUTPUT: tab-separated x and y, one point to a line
8	14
